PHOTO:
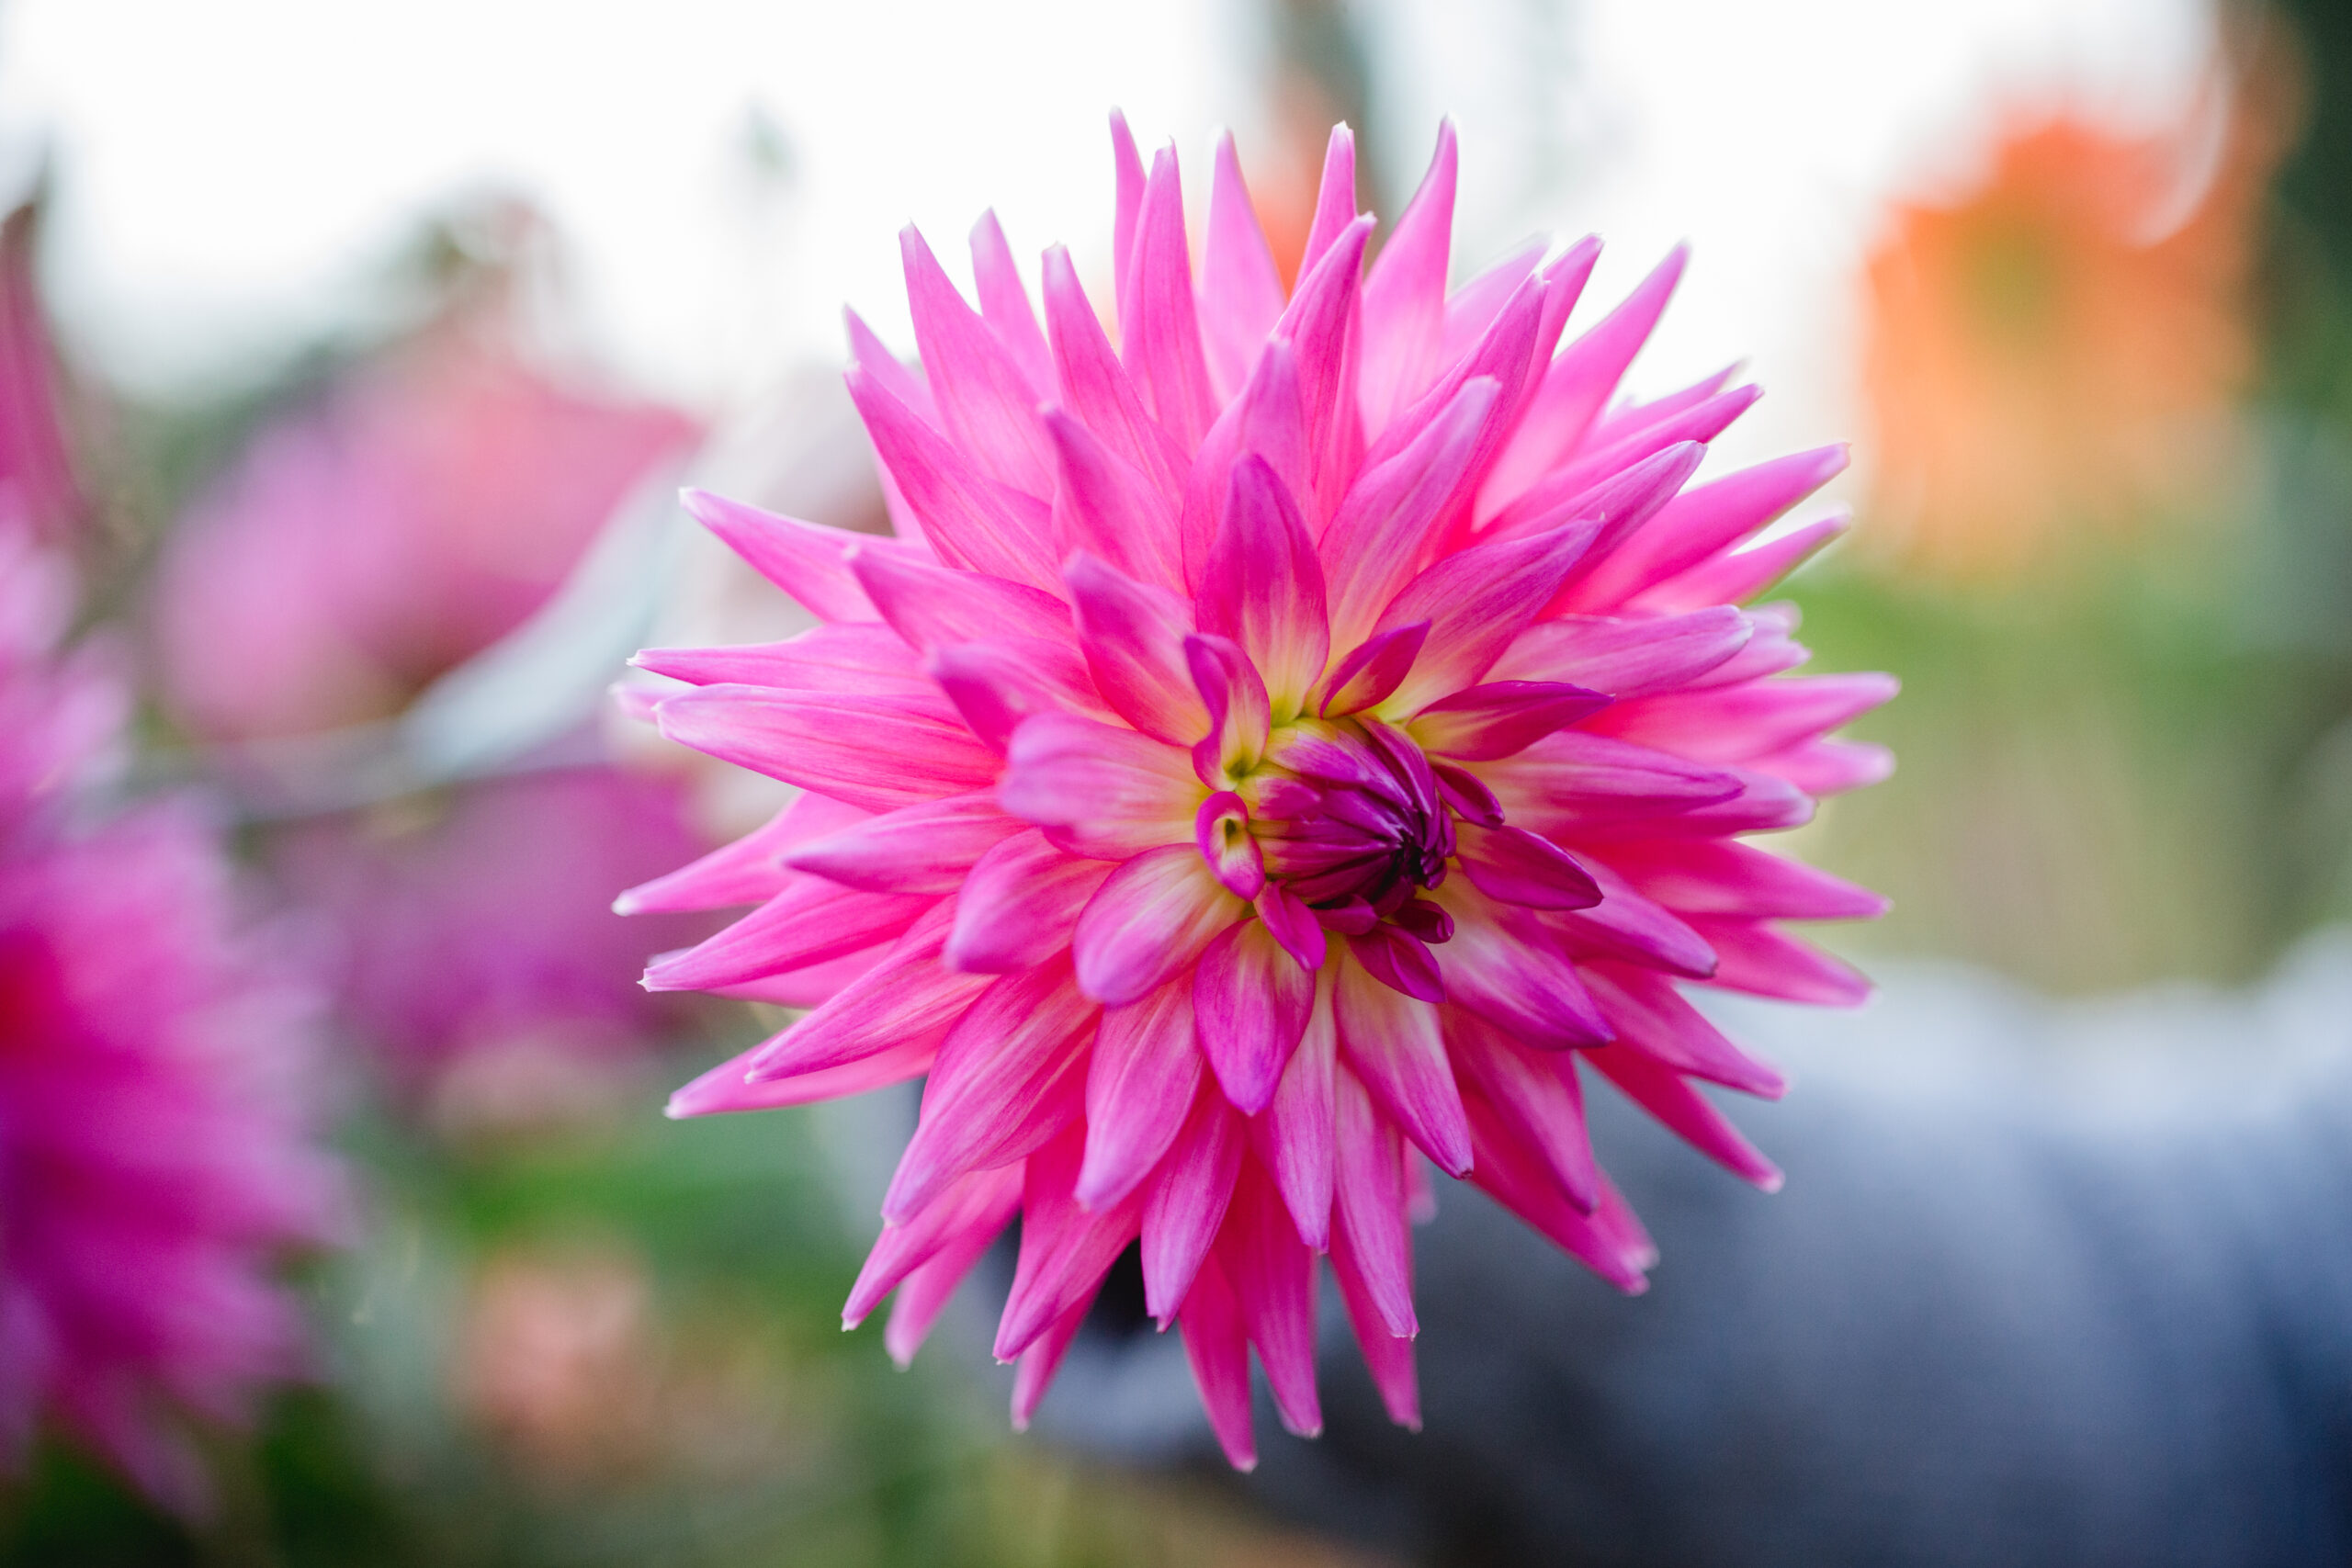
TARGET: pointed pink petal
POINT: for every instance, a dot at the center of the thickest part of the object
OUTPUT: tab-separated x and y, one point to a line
1387	1356
1471	309
1502	966
916	849
1375	538
805	560
1608	1239
1502	718
1476	602
1629	417
1242	294
1096	388
1294	1136
1217	1346
1293	924
1830	767
1272	1276
874	753
1335	199
1005	305
1263	587
1221	831
1372	673
1704	522
1572	782
1685	1113
1628	657
1009	1077
1651	1017
1736	724
807	923
1755	958
925	1293
1187	1201
902	381
1370	1158
1149	920
1320	326
1542	1106
1100	790
1033	1373
1576	386
973	521
908	1002
749	871
982	1203
1064	1250
1160	335
1266	420
930	605
1133	635
1139	1090
1129	217
1238	711
1399	960
1515	866
725	1088
1391	1042
1736	577
1105	507
1624	925
1744	881
859	657
1404	297
1250	1001
997	684
1020	904
987	404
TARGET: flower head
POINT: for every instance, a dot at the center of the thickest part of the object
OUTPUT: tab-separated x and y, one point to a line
154	1157
1310	739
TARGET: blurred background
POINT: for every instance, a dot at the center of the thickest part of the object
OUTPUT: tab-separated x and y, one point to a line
378	337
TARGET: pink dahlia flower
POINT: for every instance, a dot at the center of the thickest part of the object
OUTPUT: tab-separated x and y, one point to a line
153	1152
1311	737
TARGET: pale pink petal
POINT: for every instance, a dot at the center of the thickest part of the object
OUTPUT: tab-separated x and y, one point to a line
1263	587
1128	216
1335	199
1096	388
1159	336
749	871
908	1002
987	404
983	1203
1476	602
1625	925
1294	1136
1320	326
1238	711
858	658
1033	1372
925	1293
1106	507
1651	1017
903	381
1736	577
1738	724
1572	782
1829	767
1005	305
807	923
1133	634
1019	905
1404	297
1756	958
1242	294
1471	309
1627	657
1375	541
725	1087
1149	920
1392	1042
931	606
1140	1089
1367	677
1704	522
974	522
833	743
1010	1075
995	685
1188	1201
1099	789
1723	878
916	849
1250	1001
1387	1356
1576	387
1064	1250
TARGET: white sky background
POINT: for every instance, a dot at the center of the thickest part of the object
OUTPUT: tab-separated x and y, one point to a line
232	174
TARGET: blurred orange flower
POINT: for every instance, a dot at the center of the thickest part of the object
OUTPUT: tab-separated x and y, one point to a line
2054	356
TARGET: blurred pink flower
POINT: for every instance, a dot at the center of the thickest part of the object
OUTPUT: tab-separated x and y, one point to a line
485	920
35	466
1316	732
153	1152
405	520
